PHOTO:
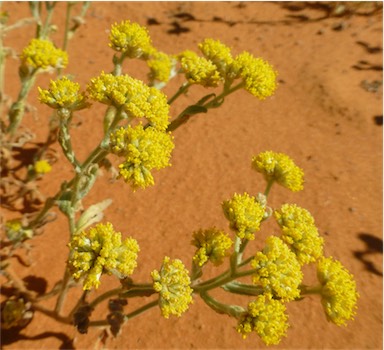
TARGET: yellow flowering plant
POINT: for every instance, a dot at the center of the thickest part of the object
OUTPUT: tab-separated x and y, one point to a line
138	131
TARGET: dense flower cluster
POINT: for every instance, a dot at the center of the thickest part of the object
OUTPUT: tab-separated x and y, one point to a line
212	245
43	54
300	233
42	167
63	93
101	250
172	282
131	39
277	269
219	54
258	76
245	214
280	168
161	66
144	149
133	96
199	70
267	317
338	291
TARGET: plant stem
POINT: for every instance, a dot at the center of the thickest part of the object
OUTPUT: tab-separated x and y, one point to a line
63	291
182	90
269	186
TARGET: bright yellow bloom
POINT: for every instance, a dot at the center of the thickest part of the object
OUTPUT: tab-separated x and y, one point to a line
101	250
280	168
212	244
338	293
300	233
137	99
277	270
161	66
267	317
42	167
63	93
218	53
258	75
245	214
199	70
43	54
131	39
172	282
144	149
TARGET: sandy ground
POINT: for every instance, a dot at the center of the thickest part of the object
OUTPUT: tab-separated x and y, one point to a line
326	114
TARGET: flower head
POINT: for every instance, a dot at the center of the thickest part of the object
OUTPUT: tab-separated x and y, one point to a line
43	54
300	233
130	38
218	53
144	149
42	167
161	66
199	70
172	282
16	232
245	214
267	317
212	244
258	76
101	250
137	99
338	293
280	168
277	269
63	93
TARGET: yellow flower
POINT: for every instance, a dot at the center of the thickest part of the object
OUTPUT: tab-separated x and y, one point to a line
131	39
267	317
42	167
278	270
212	244
245	214
338	292
172	282
137	99
199	70
63	93
101	250
15	231
43	54
280	168
161	66
258	76
218	53
144	149
300	233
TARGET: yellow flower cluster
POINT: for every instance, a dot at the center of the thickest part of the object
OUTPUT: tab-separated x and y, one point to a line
131	39
267	317
144	149
63	93
258	76
300	233
218	53
338	292
101	250
161	66
278	270
280	168
172	282
15	231
199	70
245	214
42	167
43	54
137	99
212	244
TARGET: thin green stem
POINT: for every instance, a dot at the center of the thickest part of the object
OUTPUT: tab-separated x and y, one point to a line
182	90
269	186
104	296
63	291
231	310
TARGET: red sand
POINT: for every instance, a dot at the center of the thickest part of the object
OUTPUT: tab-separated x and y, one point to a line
321	116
